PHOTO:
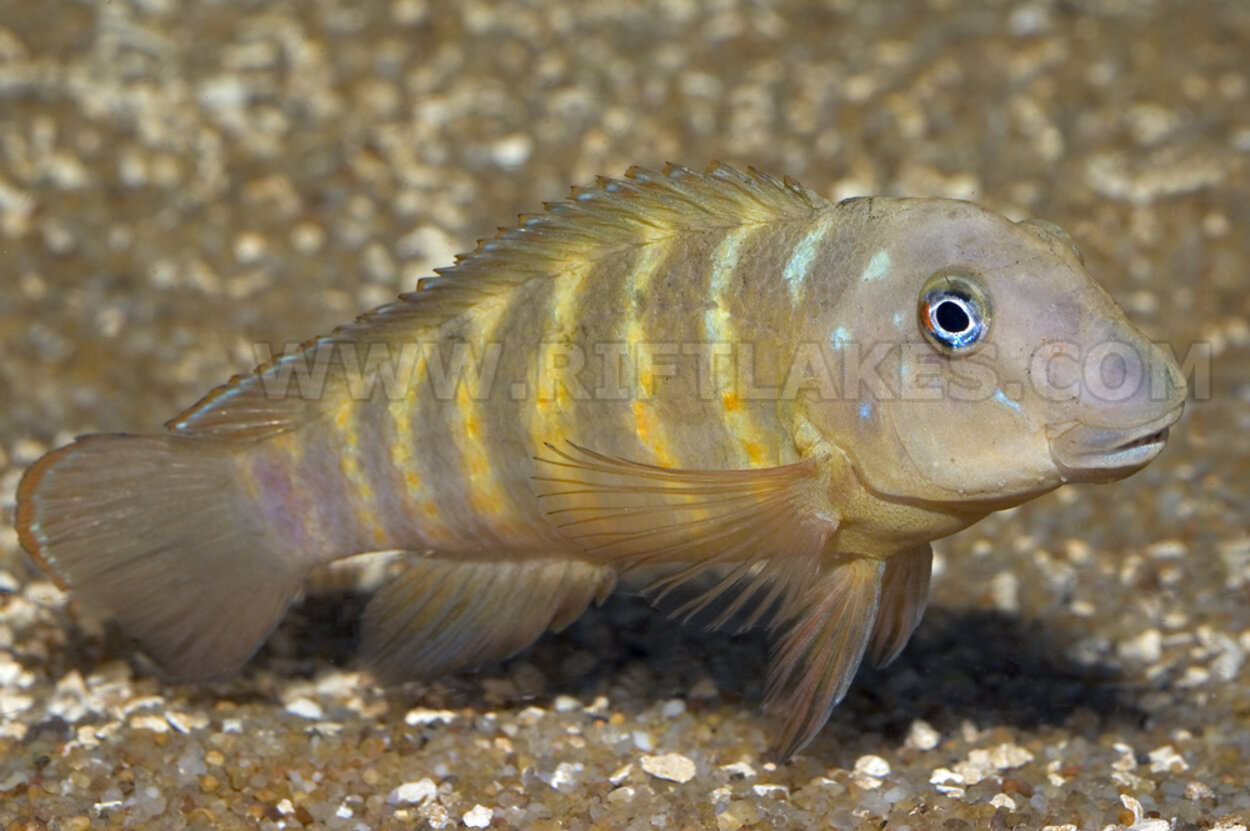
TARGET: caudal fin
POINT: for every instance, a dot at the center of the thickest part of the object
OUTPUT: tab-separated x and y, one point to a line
155	531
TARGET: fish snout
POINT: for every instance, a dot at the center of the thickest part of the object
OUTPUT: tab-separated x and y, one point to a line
1086	453
1108	435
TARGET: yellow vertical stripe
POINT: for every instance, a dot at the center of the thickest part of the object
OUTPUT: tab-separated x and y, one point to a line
719	328
651	256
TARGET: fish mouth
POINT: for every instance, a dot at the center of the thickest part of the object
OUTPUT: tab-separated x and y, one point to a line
1091	453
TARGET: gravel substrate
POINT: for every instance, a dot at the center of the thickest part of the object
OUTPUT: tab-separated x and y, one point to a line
182	179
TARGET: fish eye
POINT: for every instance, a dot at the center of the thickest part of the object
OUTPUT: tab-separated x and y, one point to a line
954	312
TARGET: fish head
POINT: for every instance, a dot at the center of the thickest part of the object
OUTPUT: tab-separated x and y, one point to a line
1008	370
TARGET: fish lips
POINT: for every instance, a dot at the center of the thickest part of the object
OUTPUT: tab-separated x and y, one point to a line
1095	453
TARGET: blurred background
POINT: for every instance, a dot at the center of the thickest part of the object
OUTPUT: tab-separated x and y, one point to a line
183	179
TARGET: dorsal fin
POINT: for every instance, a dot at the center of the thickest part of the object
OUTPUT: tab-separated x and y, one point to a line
643	207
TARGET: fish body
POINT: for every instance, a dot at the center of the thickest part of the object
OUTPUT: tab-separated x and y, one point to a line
716	376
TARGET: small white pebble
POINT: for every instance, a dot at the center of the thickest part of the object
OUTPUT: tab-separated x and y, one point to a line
424	716
1194	677
599	707
739	769
248	247
512	151
150	721
922	736
1005	588
1156	825
1146	648
621	774
530	716
25	450
285	807
768	789
1132	804
947	784
1082	608
565	774
413	792
1164	759
1198	790
872	766
478	816
643	741
186	722
1002	800
11	705
673	708
566	704
305	708
671	766
1007	756
344	811
623	794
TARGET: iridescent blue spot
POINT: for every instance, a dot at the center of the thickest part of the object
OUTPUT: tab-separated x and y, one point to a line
1001	398
865	410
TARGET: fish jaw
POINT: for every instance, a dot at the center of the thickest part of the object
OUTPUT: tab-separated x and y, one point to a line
1087	453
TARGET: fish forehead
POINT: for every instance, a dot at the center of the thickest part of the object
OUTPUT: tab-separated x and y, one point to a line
950	231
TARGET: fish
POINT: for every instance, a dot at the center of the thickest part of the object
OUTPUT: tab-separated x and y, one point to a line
765	403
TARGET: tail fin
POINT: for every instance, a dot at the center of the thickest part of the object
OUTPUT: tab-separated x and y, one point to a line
157	532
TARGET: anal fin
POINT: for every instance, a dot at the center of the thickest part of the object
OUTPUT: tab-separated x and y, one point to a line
816	655
441	614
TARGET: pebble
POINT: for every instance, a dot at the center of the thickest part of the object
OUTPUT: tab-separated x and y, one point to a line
922	736
479	816
673	708
870	765
671	766
411	793
305	708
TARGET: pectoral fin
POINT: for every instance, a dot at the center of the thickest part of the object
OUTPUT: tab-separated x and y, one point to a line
762	530
441	614
816	655
904	594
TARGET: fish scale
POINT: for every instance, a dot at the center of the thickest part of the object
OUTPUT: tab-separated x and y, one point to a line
796	488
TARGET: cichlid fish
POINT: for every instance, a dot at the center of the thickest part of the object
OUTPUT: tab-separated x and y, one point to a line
759	395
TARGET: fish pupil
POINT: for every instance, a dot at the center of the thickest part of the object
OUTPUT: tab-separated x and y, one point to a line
954	312
952	317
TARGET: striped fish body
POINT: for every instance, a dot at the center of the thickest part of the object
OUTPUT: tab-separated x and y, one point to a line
671	370
632	353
